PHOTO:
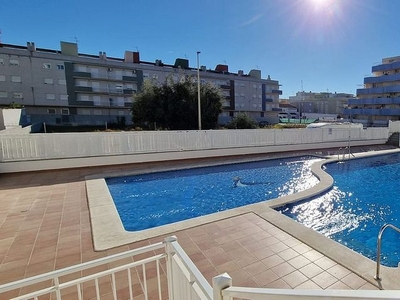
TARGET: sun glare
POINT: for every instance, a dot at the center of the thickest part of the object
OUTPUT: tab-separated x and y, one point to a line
321	3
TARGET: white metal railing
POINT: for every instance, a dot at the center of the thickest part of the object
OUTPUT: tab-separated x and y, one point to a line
378	247
73	145
223	290
184	281
183	278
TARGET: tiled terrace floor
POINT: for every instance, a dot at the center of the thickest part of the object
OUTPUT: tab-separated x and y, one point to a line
44	225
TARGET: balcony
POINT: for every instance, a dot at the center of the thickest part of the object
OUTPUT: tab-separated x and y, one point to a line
82	74
79	88
372	111
374	101
129	78
383	78
279	92
379	90
386	67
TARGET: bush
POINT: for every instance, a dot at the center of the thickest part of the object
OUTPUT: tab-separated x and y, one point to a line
242	121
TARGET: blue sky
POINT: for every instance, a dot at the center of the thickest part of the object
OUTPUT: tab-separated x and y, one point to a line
329	45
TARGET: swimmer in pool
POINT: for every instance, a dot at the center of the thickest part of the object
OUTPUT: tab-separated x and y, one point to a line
237	182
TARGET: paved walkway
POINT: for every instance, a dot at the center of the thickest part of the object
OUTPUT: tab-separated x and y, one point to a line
44	225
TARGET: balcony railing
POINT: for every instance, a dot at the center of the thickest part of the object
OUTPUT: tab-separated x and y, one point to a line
383	78
386	67
379	90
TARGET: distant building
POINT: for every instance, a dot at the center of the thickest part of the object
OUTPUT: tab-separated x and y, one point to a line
379	101
288	111
324	103
69	88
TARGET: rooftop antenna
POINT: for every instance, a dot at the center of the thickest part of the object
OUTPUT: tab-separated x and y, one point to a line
302	100
137	49
76	40
0	36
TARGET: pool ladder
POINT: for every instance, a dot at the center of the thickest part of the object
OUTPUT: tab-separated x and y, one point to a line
378	248
343	151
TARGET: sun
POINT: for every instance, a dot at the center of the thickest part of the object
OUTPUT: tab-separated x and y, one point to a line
318	4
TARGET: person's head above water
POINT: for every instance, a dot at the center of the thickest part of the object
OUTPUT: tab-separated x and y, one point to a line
236	180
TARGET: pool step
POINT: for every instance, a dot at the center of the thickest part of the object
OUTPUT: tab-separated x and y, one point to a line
394	139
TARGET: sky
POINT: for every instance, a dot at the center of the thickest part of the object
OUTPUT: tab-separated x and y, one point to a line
310	45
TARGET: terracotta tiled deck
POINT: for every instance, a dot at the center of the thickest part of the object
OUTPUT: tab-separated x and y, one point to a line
45	225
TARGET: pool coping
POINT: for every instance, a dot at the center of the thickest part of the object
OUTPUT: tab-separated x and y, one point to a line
108	231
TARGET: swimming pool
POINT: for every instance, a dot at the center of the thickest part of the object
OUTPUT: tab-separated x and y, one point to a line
151	200
365	196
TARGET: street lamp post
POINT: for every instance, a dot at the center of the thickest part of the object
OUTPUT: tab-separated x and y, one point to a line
198	90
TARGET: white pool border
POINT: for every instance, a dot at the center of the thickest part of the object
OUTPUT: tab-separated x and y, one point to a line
108	231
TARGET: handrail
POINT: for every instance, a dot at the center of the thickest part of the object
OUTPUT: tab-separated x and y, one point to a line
80	267
378	250
338	156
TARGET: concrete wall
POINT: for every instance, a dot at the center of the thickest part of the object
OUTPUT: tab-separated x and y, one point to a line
70	150
10	118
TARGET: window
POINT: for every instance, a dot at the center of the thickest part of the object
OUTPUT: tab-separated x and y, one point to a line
120	101
14	62
83	97
46	65
60	67
64	97
48	81
15	78
3	94
82	83
119	87
121	113
81	68
50	97
96	100
85	112
64	111
1	62
97	112
51	111
62	82
17	95
2	77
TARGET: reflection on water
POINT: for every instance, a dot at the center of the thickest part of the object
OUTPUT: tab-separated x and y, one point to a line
365	196
327	214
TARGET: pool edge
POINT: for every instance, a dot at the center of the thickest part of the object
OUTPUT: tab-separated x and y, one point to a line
108	231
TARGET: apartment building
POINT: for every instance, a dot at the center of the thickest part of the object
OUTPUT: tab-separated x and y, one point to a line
379	101
69	88
324	103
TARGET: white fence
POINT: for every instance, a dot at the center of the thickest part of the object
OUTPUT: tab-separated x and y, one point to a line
99	144
223	290
130	280
124	281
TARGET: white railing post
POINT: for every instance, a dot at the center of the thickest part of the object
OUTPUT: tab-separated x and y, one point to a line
220	283
170	253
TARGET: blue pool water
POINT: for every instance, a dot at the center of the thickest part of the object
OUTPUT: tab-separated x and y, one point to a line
150	200
366	195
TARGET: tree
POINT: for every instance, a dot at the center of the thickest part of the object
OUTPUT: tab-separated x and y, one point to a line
173	105
242	121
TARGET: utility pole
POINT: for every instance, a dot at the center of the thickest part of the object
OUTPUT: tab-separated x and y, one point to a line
198	91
